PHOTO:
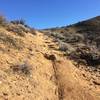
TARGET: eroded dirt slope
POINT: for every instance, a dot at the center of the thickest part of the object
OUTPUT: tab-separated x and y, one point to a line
31	68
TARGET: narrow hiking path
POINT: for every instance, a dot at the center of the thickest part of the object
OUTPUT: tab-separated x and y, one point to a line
69	83
52	77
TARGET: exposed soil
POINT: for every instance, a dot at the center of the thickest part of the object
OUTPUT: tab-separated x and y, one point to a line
51	77
50	66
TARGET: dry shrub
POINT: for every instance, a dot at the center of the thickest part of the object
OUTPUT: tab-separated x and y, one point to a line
65	47
57	35
21	21
3	21
11	41
24	68
87	55
73	38
19	30
33	31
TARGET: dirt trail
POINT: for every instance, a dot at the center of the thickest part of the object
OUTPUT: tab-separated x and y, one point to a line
70	85
49	79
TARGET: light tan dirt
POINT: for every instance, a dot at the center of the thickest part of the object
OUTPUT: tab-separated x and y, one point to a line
49	80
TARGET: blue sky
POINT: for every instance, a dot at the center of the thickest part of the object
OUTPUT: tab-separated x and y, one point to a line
50	13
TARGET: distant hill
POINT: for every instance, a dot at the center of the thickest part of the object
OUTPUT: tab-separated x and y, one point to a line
83	37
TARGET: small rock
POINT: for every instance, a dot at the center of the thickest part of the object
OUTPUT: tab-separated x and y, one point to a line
5	94
30	49
18	94
96	82
50	57
84	75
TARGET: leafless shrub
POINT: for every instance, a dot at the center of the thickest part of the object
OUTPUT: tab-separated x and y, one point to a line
21	21
33	31
65	47
98	42
73	38
24	68
3	21
10	41
21	26
57	35
18	29
91	57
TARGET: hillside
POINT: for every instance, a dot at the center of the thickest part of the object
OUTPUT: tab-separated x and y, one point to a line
34	66
82	37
